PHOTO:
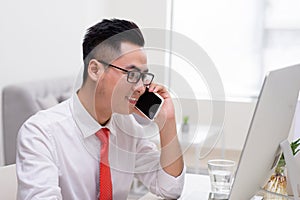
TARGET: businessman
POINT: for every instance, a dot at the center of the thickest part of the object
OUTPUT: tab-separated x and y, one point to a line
91	145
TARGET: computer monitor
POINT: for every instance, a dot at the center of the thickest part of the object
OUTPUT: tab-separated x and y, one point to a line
270	125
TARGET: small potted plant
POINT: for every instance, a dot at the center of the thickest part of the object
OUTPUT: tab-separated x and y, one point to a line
185	125
278	181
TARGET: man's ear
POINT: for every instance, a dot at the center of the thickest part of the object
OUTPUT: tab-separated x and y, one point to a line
95	69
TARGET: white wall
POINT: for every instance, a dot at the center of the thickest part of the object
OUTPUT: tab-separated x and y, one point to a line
42	39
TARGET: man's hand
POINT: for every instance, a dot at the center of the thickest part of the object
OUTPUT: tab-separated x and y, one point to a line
171	155
167	111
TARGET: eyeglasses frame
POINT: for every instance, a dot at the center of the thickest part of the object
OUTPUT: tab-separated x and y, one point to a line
127	71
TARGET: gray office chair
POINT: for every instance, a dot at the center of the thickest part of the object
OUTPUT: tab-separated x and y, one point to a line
20	101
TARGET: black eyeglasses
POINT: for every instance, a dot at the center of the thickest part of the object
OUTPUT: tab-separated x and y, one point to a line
133	76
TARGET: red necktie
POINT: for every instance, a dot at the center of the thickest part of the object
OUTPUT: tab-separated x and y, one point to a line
105	186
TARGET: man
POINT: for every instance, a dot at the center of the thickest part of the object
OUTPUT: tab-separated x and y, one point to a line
58	150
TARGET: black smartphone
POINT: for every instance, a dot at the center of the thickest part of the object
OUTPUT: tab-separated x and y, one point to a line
149	104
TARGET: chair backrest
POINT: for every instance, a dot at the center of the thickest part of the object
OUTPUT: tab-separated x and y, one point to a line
8	182
20	101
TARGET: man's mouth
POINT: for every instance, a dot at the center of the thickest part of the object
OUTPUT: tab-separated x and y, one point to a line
132	100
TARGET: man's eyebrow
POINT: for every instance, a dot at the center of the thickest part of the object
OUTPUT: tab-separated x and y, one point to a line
133	67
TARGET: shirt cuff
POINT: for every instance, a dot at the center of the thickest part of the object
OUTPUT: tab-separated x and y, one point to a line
171	185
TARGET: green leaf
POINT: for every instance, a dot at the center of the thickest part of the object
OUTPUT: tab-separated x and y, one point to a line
185	119
294	145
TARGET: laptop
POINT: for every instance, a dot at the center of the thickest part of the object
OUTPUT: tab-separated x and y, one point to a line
270	125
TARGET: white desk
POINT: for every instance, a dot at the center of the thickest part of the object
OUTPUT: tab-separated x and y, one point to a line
196	187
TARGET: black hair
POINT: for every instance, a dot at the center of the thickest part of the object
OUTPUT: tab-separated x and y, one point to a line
108	35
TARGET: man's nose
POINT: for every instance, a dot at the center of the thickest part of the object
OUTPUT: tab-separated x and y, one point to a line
139	87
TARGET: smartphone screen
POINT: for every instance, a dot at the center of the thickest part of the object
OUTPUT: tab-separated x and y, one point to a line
149	104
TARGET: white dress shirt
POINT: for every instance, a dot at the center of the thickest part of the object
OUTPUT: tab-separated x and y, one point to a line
58	156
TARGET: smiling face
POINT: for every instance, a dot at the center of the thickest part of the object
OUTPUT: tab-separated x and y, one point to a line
114	93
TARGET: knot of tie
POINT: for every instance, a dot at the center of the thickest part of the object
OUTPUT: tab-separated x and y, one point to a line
103	135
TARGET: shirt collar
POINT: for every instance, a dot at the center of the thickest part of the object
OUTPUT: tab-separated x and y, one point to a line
86	123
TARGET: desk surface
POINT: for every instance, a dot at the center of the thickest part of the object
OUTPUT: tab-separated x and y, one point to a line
196	187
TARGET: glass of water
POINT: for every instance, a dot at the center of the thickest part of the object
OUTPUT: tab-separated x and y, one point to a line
221	174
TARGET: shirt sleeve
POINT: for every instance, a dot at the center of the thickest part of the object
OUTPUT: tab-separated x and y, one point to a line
37	171
149	171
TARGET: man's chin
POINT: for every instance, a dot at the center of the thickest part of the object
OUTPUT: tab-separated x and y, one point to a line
125	112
